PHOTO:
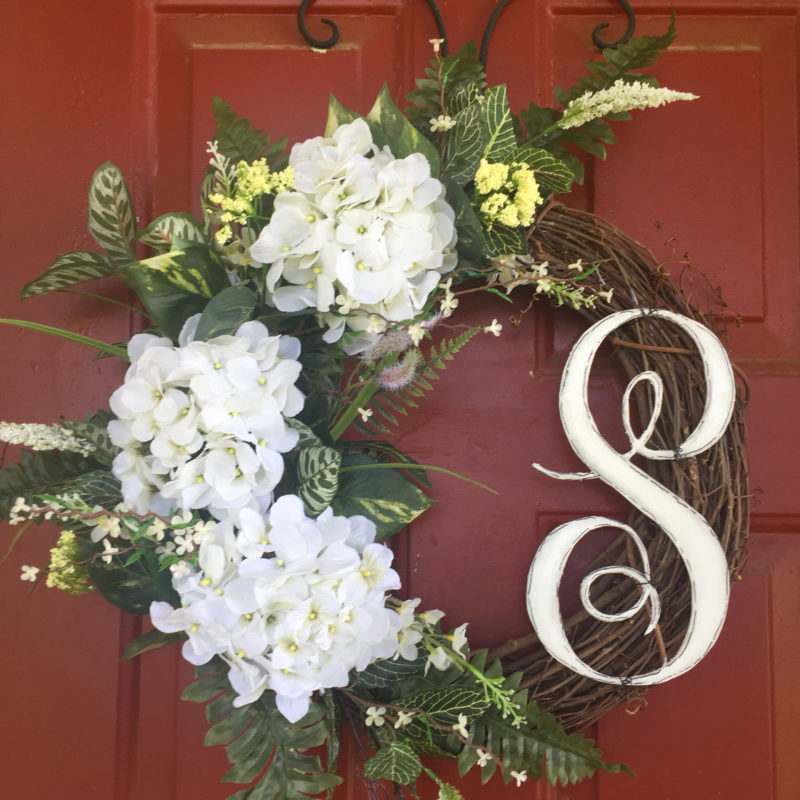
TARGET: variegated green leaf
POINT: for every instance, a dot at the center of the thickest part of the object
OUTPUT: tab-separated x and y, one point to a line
386	671
465	145
502	140
162	232
69	269
396	762
307	436
318	473
386	496
403	138
337	115
499	240
111	220
551	174
444	706
175	285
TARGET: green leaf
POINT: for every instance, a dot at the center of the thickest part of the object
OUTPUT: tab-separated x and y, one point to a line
396	762
468	226
263	745
502	139
226	311
307	436
175	285
318	475
71	336
111	220
500	239
338	115
40	472
465	145
95	430
133	588
151	640
387	672
96	488
239	141
69	269
403	138
551	174
386	496
443	706
162	232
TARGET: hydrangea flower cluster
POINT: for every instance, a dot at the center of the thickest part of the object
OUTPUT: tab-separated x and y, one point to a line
202	425
291	604
363	238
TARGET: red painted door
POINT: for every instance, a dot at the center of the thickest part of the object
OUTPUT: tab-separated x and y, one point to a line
88	81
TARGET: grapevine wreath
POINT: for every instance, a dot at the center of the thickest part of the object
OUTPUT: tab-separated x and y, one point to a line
313	299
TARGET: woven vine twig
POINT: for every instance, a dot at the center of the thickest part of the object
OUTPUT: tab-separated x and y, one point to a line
714	483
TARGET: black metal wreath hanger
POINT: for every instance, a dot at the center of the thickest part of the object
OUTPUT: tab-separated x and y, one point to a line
325	44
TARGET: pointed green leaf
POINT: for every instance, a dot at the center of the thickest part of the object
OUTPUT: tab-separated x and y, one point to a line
307	436
239	141
338	115
175	285
465	145
226	311
468	226
386	671
151	640
502	139
501	240
69	269
396	762
318	473
552	175
97	488
111	220
403	138
385	496
162	232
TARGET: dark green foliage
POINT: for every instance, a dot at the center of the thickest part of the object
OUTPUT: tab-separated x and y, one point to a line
239	141
175	285
617	64
226	311
261	745
40	472
386	496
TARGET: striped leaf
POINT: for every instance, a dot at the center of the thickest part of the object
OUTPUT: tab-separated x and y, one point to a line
171	231
496	116
318	474
396	762
111	220
69	269
444	706
386	671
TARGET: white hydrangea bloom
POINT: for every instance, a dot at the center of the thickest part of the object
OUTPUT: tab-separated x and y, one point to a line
202	425
620	96
291	603
363	238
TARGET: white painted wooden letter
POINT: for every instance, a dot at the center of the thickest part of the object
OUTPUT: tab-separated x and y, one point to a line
695	541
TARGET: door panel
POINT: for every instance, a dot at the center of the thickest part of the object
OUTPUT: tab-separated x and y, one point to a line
717	178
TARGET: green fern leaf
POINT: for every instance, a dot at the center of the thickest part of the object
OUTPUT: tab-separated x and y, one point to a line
239	141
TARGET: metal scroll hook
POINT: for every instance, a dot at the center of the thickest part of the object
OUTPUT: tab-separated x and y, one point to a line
322	44
598	42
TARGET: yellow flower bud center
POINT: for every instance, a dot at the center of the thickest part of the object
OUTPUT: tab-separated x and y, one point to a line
157	394
360	266
262	380
217	365
312	615
310	285
231	451
205	582
310	218
317	270
286	248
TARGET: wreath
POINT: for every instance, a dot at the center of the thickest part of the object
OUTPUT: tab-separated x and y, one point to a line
218	496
